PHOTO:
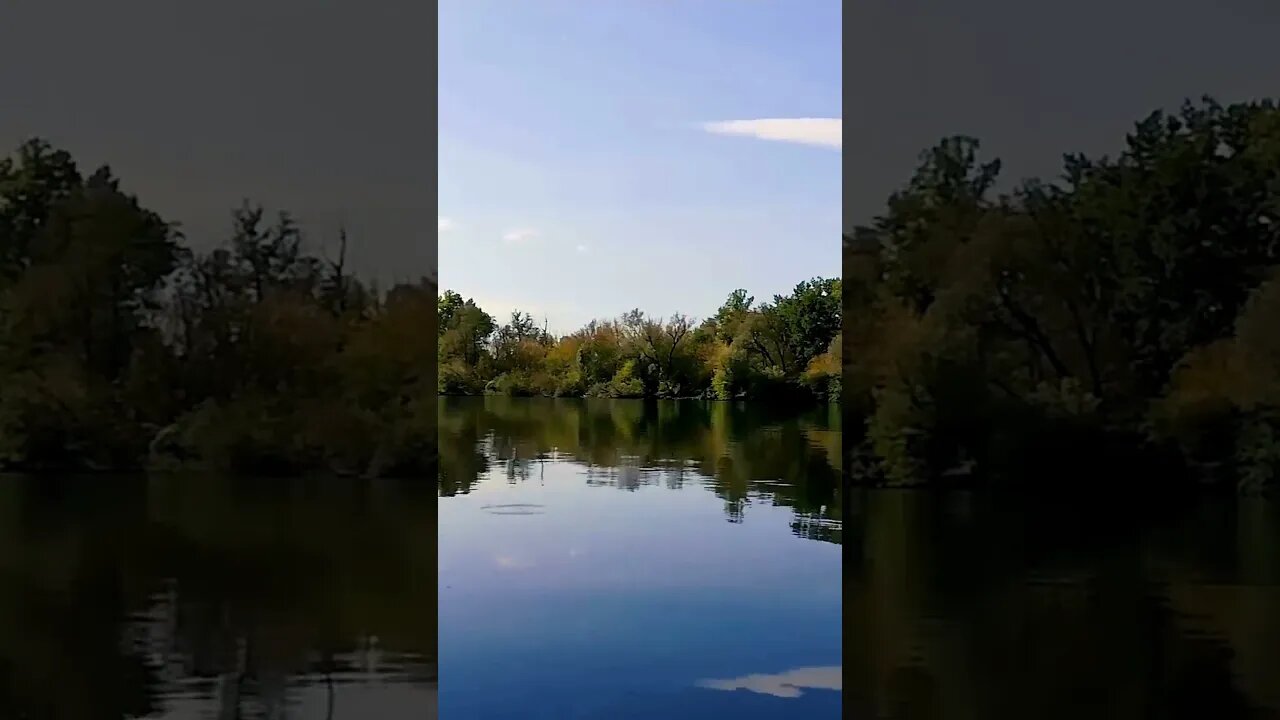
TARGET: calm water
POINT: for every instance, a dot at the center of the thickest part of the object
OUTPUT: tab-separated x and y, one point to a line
200	598
617	559
969	606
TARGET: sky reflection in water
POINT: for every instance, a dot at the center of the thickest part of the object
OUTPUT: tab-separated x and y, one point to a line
615	559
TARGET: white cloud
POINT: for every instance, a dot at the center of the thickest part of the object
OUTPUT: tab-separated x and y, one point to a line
823	132
520	235
509	562
444	224
582	248
789	684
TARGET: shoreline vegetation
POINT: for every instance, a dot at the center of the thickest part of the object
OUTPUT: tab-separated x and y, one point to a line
122	348
1117	328
784	350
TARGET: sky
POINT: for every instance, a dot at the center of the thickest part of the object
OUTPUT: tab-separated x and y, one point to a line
315	107
1034	80
583	120
596	157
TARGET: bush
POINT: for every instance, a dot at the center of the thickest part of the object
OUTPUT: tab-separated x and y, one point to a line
570	385
51	420
251	436
1257	455
625	384
899	435
456	378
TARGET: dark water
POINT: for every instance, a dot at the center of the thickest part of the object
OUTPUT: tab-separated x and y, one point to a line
617	559
974	606
201	598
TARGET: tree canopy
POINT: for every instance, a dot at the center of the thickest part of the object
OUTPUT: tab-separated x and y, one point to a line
786	348
120	346
1124	306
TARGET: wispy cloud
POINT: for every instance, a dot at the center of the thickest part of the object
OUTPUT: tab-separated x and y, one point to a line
520	235
509	562
444	224
582	248
789	684
823	132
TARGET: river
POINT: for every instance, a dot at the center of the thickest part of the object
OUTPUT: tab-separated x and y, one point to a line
630	559
985	606
198	597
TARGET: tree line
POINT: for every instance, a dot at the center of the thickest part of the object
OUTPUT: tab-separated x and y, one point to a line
787	348
122	347
1120	317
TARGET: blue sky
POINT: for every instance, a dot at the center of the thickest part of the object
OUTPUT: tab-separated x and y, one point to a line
603	155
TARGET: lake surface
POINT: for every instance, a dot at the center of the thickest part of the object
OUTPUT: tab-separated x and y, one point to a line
624	559
202	598
966	605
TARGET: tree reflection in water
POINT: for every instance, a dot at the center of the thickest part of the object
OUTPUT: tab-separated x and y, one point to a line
988	606
132	597
742	452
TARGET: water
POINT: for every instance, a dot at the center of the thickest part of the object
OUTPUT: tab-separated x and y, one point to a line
992	607
622	559
202	598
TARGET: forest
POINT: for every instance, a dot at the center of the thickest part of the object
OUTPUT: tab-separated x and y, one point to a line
122	347
786	349
1116	325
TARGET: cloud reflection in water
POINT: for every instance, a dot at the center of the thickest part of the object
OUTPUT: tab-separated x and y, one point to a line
788	684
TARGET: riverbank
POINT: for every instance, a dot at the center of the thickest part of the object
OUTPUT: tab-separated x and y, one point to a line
799	396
